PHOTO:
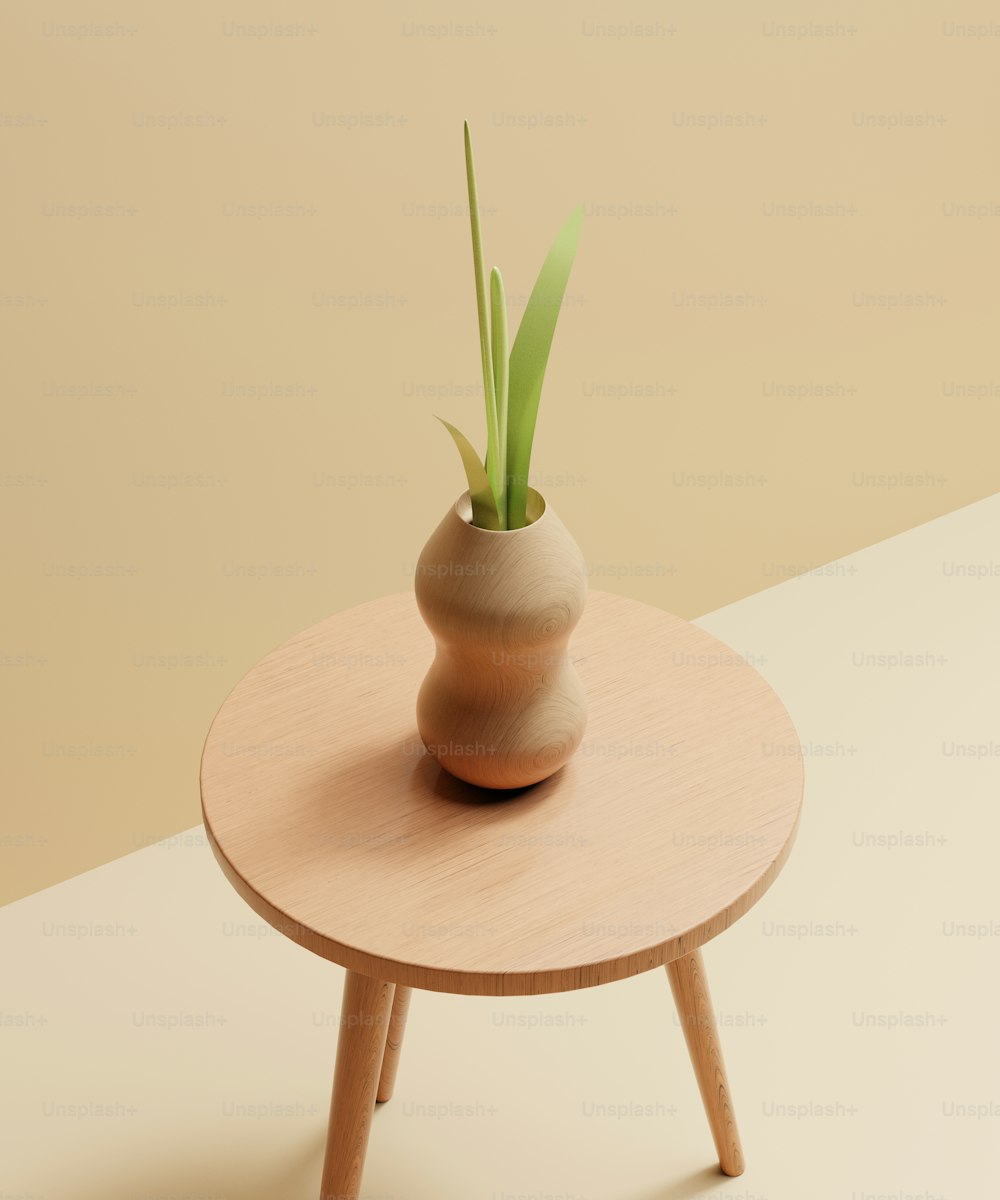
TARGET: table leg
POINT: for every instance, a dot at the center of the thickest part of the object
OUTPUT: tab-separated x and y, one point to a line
689	985
393	1043
364	1018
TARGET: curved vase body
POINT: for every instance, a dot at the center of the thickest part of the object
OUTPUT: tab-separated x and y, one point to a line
502	705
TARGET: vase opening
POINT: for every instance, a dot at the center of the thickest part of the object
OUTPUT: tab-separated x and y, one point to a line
534	510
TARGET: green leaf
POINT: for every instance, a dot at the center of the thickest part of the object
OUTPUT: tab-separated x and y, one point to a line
485	514
529	358
498	312
494	457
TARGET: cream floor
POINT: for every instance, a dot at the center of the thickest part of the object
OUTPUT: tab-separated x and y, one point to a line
160	1043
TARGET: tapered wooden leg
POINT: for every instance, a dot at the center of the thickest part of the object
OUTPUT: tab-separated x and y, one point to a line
364	1018
689	985
393	1043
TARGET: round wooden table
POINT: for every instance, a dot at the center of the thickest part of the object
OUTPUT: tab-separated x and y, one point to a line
333	823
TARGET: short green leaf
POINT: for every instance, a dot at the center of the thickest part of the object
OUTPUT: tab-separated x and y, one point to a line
485	513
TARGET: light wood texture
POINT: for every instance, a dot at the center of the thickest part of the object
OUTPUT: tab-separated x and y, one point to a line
501	706
669	822
393	1043
689	985
364	1018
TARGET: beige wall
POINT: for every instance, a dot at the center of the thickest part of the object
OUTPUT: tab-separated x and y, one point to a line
219	425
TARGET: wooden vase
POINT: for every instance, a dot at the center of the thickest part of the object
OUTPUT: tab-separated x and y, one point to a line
502	705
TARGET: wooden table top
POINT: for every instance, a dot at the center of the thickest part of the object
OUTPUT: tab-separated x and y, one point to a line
670	821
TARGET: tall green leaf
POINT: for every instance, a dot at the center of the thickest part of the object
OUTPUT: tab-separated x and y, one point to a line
494	455
485	513
528	360
498	323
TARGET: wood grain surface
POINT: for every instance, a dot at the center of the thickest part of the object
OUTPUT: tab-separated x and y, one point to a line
502	705
689	984
364	1020
670	821
393	1043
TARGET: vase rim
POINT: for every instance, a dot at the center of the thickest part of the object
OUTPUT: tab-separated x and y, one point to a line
463	510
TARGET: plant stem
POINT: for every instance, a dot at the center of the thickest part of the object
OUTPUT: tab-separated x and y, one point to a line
495	459
498	307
